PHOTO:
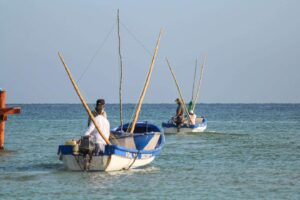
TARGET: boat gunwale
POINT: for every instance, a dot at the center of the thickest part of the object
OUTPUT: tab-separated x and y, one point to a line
109	149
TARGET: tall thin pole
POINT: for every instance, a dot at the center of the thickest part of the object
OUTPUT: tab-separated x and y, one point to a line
82	100
2	121
179	91
194	80
199	84
121	73
136	115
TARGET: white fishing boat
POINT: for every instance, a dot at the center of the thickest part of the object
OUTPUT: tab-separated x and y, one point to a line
130	145
126	150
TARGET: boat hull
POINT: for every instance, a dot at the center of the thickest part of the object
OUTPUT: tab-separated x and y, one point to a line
171	128
126	150
174	130
104	163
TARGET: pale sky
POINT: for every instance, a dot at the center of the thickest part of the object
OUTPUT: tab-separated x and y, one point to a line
252	48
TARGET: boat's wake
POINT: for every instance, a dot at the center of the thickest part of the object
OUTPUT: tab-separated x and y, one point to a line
149	169
212	133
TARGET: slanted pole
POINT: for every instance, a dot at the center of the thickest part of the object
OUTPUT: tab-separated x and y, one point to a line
179	91
138	109
194	81
199	84
82	99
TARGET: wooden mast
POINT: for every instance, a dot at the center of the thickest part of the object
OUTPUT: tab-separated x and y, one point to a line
136	115
194	81
121	72
179	91
199	84
82	99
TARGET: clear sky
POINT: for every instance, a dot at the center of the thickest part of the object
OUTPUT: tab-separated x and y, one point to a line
252	48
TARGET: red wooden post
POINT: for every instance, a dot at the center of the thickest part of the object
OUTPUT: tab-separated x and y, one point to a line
3	115
2	120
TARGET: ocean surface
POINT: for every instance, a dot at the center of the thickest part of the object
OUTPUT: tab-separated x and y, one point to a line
249	151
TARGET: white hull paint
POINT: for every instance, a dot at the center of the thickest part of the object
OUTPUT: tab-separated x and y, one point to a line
105	163
172	130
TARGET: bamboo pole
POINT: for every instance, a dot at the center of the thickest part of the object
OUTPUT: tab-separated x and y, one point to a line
179	91
199	84
82	99
194	81
136	115
121	72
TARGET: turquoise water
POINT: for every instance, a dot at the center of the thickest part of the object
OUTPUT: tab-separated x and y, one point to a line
249	151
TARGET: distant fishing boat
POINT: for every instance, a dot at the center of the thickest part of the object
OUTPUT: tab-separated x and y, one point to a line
131	145
187	126
200	126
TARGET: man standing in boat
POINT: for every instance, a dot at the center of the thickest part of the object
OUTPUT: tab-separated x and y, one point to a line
178	119
99	110
104	126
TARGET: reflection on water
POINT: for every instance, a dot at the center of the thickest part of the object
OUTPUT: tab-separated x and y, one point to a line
6	152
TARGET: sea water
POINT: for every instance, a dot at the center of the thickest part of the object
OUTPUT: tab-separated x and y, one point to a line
249	151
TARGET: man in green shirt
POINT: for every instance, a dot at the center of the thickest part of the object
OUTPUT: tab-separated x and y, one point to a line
191	106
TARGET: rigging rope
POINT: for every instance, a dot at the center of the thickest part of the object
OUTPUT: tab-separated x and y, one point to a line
100	48
96	53
149	53
137	40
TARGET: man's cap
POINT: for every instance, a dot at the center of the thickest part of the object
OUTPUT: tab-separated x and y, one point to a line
100	102
191	112
177	100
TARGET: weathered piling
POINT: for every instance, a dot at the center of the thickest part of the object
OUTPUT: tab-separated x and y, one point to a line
4	112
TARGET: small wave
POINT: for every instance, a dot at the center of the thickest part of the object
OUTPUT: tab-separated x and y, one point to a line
47	166
212	133
216	133
21	178
149	169
39	167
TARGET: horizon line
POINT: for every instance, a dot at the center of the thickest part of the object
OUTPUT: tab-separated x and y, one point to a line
163	103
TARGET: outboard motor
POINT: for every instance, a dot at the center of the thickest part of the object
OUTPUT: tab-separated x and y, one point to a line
86	148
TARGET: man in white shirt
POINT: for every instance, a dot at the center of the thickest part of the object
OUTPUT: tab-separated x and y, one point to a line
193	117
104	126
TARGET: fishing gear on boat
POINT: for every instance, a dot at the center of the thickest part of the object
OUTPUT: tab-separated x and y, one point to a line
86	145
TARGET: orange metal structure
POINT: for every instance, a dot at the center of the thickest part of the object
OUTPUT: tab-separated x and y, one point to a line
4	111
